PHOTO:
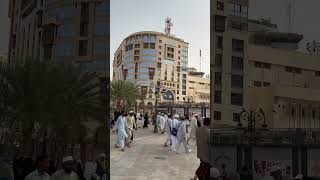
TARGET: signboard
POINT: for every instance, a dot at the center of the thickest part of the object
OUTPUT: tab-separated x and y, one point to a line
265	158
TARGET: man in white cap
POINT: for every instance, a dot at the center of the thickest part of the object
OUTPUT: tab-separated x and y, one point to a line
131	124
158	121
67	172
181	136
120	127
193	126
168	128
174	131
214	173
162	123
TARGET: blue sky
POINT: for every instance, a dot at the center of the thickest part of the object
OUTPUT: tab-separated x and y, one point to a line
191	22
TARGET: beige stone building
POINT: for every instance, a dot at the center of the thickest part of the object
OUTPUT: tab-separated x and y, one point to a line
254	66
150	59
198	87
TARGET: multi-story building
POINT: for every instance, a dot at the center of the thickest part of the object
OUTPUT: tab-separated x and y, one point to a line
3	57
153	59
71	31
254	67
198	87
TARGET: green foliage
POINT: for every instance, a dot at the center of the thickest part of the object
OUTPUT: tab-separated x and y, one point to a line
124	94
54	95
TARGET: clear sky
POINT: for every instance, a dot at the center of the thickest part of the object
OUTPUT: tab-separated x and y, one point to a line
191	22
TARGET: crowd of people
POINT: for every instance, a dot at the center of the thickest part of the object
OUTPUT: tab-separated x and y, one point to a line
24	168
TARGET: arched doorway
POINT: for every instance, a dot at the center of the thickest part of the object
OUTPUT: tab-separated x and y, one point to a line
141	106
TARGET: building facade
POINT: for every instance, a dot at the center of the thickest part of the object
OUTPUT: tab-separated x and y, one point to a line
198	87
72	31
153	59
254	66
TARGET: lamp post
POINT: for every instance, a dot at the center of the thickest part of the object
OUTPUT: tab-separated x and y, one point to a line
188	100
251	117
157	94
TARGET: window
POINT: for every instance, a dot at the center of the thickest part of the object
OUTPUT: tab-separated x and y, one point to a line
236	117
217	115
257	84
313	114
178	92
136	68
136	58
159	53
236	81
237	45
152	45
220	6
159	59
217	97
317	73
160	47
102	9
84	29
293	70
145	45
184	76
266	84
218	78
135	76
237	63
101	48
169	55
219	42
136	52
137	46
262	65
236	99
101	28
83	47
130	47
184	93
218	60
184	87
159	65
66	30
179	46
160	41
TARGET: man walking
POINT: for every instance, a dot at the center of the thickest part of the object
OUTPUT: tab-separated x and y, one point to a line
181	136
41	173
168	128
174	131
131	125
67	172
120	128
162	123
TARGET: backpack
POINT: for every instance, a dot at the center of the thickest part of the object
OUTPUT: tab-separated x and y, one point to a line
174	130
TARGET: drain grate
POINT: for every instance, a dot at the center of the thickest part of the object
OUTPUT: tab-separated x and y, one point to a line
161	158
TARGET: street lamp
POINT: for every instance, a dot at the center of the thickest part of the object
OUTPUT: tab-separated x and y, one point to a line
157	94
188	100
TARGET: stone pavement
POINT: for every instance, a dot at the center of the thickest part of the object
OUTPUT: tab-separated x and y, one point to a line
147	159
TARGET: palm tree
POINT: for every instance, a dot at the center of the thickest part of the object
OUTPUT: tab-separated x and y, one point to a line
124	94
58	98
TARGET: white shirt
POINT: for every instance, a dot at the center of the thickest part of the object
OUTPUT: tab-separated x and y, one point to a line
162	122
62	175
35	175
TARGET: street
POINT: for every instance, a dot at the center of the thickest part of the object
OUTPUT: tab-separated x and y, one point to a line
147	159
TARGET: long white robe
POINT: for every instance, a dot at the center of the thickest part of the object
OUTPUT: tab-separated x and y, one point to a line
174	138
162	123
181	136
193	126
168	128
121	127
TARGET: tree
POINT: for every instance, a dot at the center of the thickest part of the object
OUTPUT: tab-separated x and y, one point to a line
55	97
124	94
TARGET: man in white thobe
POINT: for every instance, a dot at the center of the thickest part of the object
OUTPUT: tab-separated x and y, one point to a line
168	128
120	127
42	168
175	123
67	172
193	126
158	122
181	136
131	124
162	123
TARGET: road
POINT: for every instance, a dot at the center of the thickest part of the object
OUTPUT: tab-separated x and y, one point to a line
147	159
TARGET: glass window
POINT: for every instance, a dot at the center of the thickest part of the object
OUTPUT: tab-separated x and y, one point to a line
63	49
217	115
66	30
143	76
101	28
102	9
236	99
149	58
101	48
61	12
144	70
169	62
149	51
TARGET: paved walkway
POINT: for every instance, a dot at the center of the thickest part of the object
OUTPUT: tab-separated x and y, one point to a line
147	159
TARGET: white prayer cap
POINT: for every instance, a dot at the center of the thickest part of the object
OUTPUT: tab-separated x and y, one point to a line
176	116
102	155
131	112
214	172
67	158
274	169
299	176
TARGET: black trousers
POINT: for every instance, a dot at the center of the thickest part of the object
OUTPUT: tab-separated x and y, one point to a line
131	137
